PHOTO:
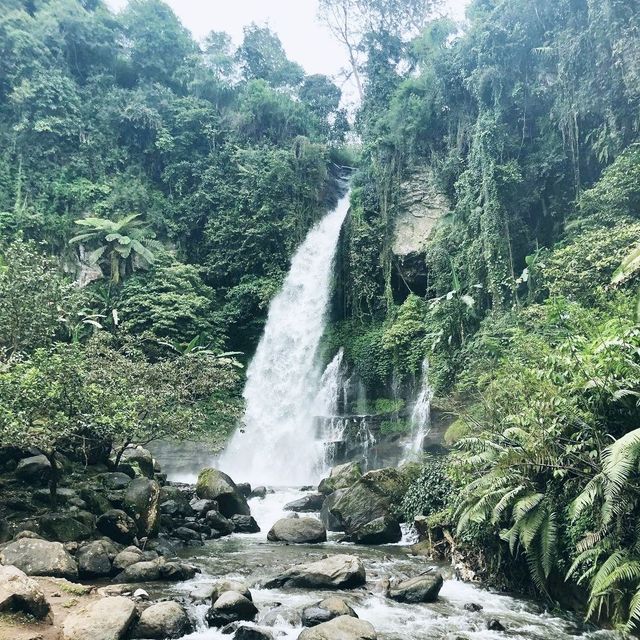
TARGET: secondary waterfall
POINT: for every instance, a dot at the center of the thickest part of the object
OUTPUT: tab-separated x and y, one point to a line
421	414
276	444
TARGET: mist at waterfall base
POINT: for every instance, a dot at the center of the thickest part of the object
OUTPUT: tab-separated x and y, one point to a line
276	443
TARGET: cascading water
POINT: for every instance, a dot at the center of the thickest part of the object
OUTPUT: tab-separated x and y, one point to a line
421	414
277	444
331	388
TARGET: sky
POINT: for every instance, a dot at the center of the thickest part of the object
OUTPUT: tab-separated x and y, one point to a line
304	38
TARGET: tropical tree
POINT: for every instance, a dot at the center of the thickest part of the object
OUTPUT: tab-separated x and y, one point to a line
120	242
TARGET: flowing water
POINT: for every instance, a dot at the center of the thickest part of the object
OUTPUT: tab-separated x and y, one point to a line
421	414
276	444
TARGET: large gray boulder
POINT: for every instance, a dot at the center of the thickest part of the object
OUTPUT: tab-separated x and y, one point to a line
163	620
145	571
331	522
140	460
224	586
219	523
423	588
342	628
40	558
245	524
341	477
230	607
383	530
310	503
334	572
326	610
95	559
106	619
298	531
373	496
21	594
115	481
118	526
63	527
34	470
127	557
215	485
141	502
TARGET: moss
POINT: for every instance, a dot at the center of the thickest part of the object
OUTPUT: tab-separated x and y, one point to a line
75	589
458	430
70	603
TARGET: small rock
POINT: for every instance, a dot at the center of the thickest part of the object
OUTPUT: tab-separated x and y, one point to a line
259	492
140	594
63	528
495	625
215	485
126	558
244	488
116	481
224	586
326	610
473	607
146	571
202	507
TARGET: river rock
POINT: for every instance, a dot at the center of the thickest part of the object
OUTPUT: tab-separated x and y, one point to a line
163	620
40	558
21	594
326	610
141	502
217	521
307	504
245	524
423	588
282	614
106	619
63	528
145	571
244	488
342	628
246	632
230	607
373	496
331	522
224	586
259	492
202	507
140	460
176	571
495	625
34	470
94	559
334	572
215	485
127	557
117	525
115	481
95	501
383	530
298	531
341	477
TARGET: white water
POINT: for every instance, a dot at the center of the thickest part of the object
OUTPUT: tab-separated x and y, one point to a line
421	414
276	444
331	388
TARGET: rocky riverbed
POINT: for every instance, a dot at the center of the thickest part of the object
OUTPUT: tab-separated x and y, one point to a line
128	555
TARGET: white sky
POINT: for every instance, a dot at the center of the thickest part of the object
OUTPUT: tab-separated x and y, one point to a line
305	39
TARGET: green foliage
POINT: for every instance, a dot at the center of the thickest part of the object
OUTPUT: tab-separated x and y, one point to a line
431	492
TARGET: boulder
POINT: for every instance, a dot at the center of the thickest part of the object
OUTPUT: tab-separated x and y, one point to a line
259	492
383	530
94	559
423	588
495	625
127	557
244	488
145	571
230	607
163	620
34	470
115	481
282	615
245	524
224	586
307	504
298	531
63	528
342	628
341	477
117	525
246	632
64	495
95	501
215	485
21	594
106	619
177	571
140	460
186	534
141	502
373	496
331	522
326	610
217	521
202	507
40	558
334	572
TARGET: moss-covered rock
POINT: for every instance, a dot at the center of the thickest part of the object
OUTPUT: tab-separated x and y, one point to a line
141	502
341	477
215	485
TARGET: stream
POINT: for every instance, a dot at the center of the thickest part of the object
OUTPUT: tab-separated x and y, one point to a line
250	558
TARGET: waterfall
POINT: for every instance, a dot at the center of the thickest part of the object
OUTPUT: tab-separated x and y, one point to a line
327	402
277	444
421	414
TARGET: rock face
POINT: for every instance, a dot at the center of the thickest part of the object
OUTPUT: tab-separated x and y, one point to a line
117	525
335	572
331	522
307	504
40	558
326	610
231	607
106	619
371	498
341	477
420	589
298	531
163	620
342	628
215	485
141	502
34	470
94	559
20	594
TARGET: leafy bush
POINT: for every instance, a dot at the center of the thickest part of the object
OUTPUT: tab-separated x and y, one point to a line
431	492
